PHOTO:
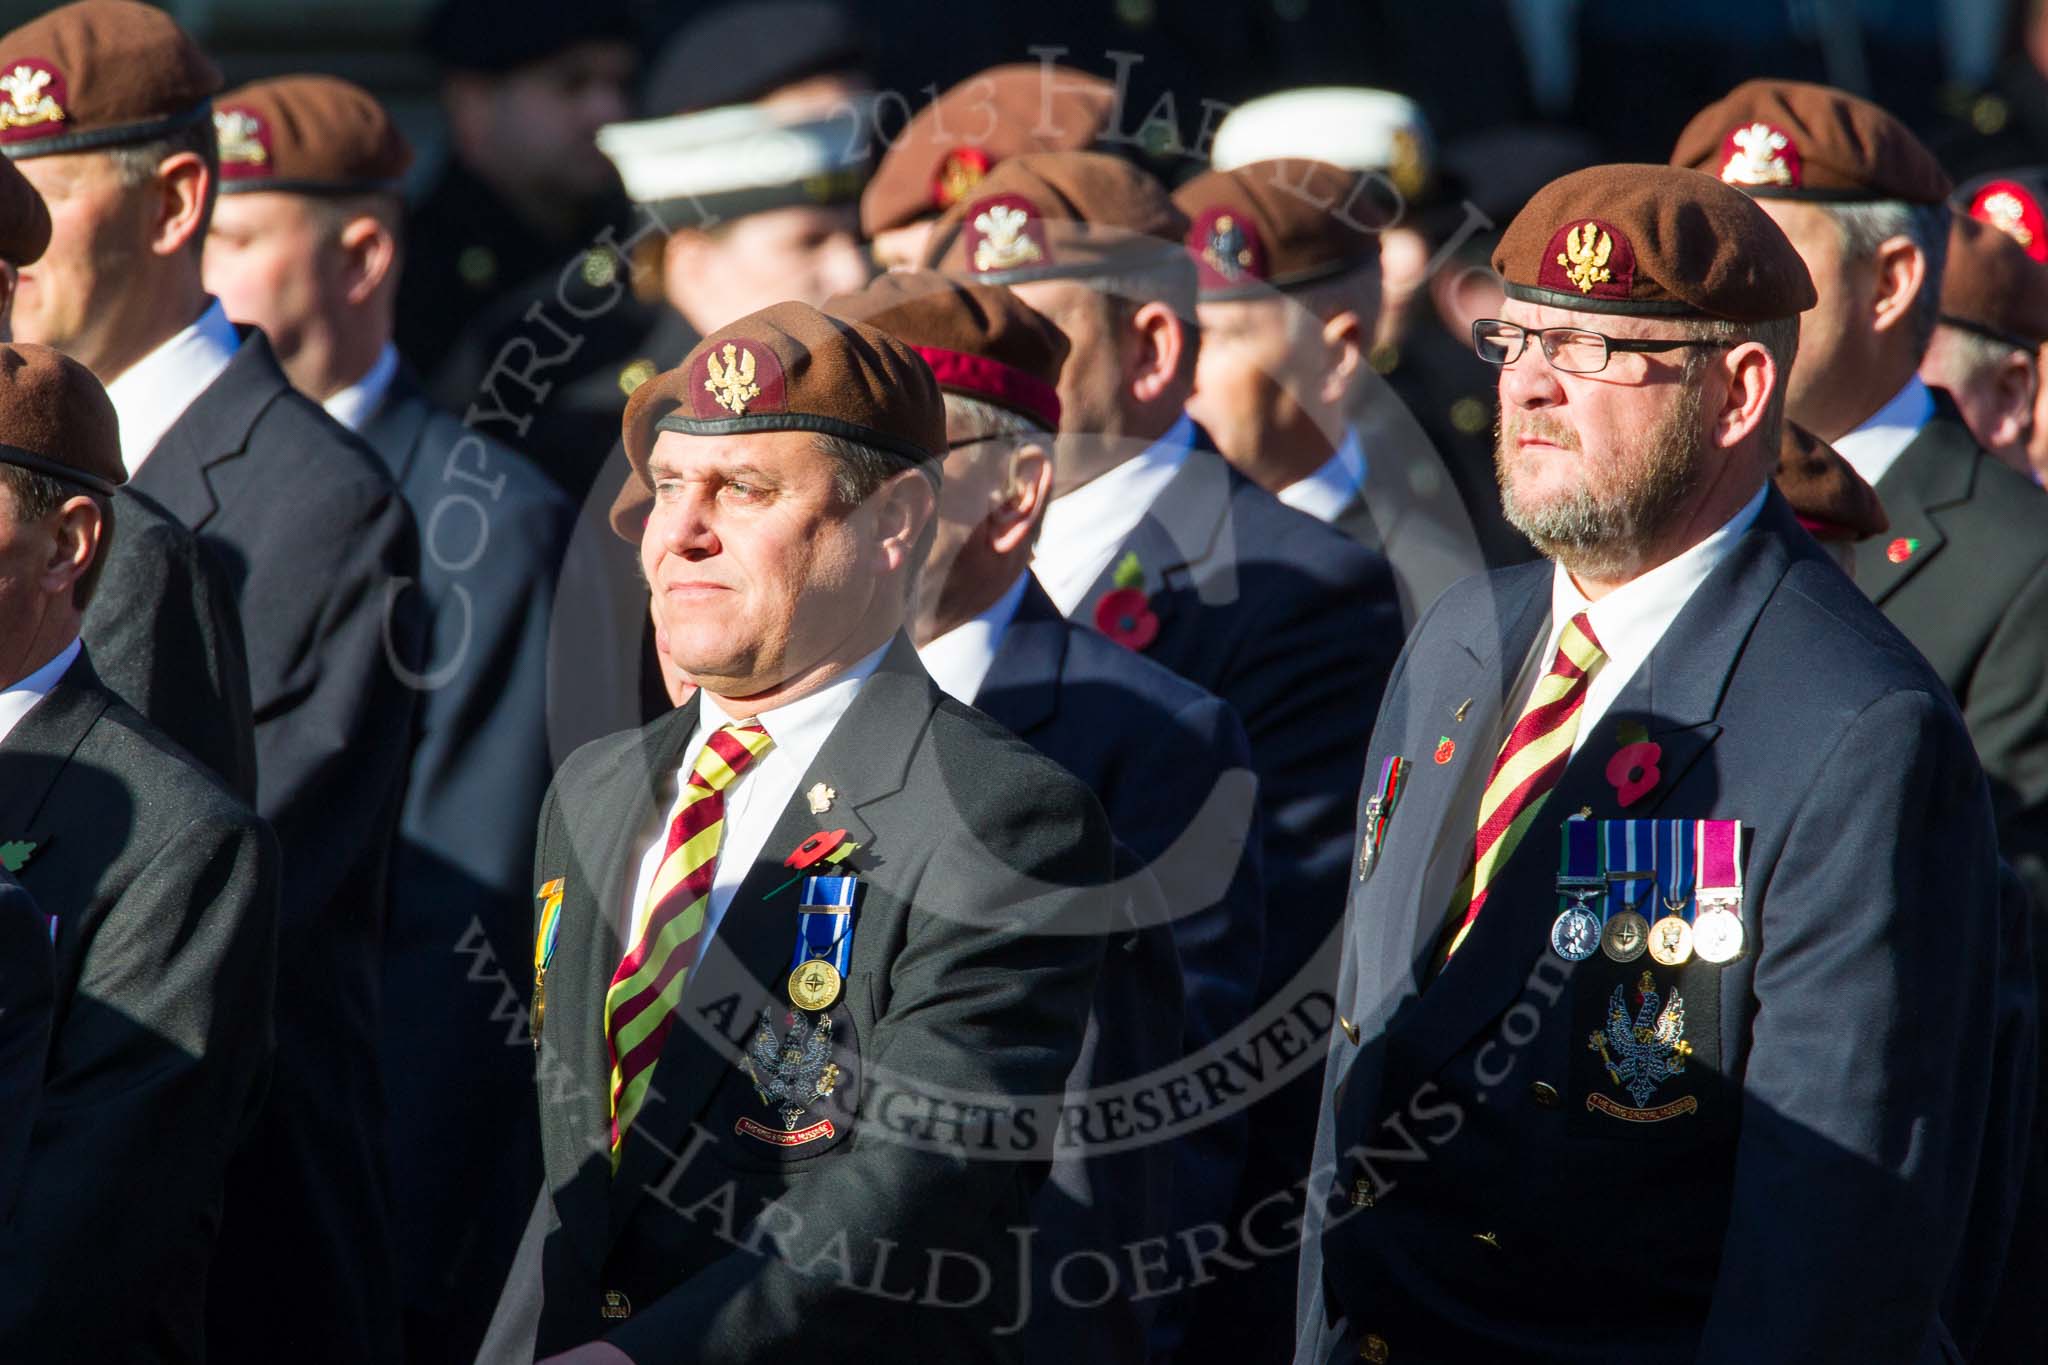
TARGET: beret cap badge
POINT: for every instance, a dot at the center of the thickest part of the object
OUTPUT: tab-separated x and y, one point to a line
962	169
34	93
1759	154
240	134
731	384
1585	254
1006	240
2004	211
1227	251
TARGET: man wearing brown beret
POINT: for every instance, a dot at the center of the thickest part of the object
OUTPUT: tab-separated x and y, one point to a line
305	244
1985	351
1153	538
1153	747
157	892
1964	572
953	142
119	139
1287	253
787	929
1671	975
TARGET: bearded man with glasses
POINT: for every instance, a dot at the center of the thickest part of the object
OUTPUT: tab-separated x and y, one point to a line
1667	1004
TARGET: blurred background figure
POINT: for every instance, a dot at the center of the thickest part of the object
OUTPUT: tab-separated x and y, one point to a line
2012	201
1986	347
525	85
306	244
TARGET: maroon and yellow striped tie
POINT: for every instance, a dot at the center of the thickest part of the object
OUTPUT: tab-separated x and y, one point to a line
640	1006
1531	760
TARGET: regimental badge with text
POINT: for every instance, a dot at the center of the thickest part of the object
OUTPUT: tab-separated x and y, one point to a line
790	1074
1006	234
1642	1048
34	94
241	137
1758	154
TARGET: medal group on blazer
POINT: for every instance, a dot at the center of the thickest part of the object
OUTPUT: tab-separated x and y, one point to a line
1671	889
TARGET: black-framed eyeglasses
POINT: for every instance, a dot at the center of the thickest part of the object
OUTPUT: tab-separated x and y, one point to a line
1575	350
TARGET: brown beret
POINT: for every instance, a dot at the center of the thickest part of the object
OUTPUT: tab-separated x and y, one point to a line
1058	215
1654	240
2015	210
309	135
1829	497
99	73
57	420
1793	140
1275	225
980	340
24	218
951	143
789	367
1990	286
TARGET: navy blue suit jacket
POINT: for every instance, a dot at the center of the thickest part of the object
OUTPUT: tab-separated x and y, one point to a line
26	990
1799	1190
455	1052
1171	767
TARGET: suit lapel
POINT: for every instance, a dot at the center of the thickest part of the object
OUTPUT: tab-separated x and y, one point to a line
1675	696
37	749
393	431
1937	469
1178	535
214	429
866	760
1022	689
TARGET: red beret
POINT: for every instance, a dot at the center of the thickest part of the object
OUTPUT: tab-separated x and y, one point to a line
1794	140
980	340
1276	225
310	135
2014	210
1058	215
99	73
1992	287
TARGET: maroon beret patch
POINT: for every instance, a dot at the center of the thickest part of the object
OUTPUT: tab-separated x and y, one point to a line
244	140
1006	232
1761	154
959	171
734	380
1226	248
32	97
2007	206
1589	257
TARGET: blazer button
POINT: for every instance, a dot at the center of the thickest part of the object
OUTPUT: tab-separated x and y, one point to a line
1374	1349
1544	1093
1361	1194
1492	1239
1350	1029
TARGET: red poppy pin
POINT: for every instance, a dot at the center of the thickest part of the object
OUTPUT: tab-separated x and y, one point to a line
827	848
1901	550
1125	613
1445	747
1633	771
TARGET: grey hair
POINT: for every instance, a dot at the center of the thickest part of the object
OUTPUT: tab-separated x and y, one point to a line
1972	353
1779	336
36	495
991	420
136	163
863	468
1866	227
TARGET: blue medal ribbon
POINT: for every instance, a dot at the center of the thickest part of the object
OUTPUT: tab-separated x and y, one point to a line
1674	858
824	922
1629	850
1581	868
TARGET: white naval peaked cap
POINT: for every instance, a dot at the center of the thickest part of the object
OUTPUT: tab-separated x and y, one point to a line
743	158
1353	127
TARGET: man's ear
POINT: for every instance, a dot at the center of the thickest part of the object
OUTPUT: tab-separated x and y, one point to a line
178	208
1346	339
1752	377
73	545
1901	274
1155	343
369	251
2012	388
1016	506
903	506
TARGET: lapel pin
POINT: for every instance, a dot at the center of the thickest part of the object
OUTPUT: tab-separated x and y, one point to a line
15	853
1901	550
1463	707
820	798
1444	749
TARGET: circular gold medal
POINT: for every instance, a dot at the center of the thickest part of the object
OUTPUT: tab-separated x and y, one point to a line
1717	935
1671	940
1625	936
814	985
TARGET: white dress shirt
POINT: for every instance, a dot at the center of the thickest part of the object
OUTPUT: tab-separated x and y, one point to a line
1628	621
20	699
960	659
1326	493
359	402
1084	529
153	393
1875	446
757	797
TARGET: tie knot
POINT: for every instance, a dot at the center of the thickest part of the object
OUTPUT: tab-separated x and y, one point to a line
728	753
1578	648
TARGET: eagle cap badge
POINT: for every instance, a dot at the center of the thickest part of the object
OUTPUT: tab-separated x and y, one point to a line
735	378
1761	154
1588	257
34	94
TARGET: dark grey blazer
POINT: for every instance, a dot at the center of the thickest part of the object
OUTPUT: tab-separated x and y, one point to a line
316	543
163	625
164	887
25	991
978	939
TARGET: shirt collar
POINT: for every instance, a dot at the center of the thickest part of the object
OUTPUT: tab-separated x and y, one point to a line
356	404
799	728
17	701
1629	621
1082	529
1326	493
1872	448
153	393
960	659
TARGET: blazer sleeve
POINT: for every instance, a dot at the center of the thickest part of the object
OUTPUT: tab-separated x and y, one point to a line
152	1082
1871	1052
983	1000
2006	708
25	1000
